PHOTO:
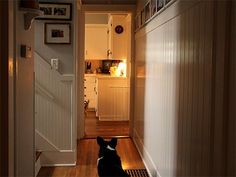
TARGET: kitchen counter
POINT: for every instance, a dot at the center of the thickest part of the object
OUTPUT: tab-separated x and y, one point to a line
89	75
108	95
103	76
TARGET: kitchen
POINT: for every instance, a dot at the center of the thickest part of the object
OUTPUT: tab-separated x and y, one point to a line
107	71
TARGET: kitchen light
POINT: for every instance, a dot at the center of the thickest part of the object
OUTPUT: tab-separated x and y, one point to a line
122	69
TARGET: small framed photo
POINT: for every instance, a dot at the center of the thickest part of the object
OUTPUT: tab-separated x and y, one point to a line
147	11
153	7
55	11
160	4
142	17
167	1
138	21
57	33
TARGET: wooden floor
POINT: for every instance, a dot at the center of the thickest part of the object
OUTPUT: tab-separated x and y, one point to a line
87	160
94	127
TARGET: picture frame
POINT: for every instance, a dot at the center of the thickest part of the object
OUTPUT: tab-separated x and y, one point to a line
139	20
153	7
57	33
147	10
55	11
167	1
136	22
142	17
160	4
150	9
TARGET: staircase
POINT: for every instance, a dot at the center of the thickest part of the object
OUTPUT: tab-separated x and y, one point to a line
37	162
54	121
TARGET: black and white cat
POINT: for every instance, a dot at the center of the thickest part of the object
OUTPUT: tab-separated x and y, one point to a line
109	163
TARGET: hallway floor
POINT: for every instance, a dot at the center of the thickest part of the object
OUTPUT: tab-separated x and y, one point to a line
87	160
94	127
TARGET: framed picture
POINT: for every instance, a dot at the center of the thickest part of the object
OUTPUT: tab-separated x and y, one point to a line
153	7
138	21
55	11
142	17
147	11
57	33
160	4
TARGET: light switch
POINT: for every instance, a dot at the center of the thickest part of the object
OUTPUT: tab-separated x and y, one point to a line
55	63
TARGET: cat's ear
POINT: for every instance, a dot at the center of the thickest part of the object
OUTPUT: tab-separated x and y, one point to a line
100	141
113	142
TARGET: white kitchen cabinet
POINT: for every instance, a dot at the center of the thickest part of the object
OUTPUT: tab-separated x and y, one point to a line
96	41
90	91
118	42
113	99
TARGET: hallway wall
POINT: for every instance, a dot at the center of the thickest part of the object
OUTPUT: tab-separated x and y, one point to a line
24	96
64	52
173	88
59	109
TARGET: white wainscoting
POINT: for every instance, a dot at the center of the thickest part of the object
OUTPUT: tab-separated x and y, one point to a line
173	90
113	99
53	108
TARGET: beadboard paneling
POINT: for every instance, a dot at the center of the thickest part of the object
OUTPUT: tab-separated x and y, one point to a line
53	106
113	99
173	90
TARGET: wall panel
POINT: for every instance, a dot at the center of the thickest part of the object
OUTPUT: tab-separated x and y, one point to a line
23	75
53	106
173	91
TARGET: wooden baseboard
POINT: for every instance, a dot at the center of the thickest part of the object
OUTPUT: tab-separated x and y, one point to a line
58	158
147	160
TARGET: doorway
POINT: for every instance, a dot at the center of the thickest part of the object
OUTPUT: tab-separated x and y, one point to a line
107	74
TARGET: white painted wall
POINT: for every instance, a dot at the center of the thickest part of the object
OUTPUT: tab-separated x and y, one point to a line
173	90
64	52
24	99
56	118
96	18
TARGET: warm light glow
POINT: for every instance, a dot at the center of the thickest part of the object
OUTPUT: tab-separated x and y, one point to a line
121	70
10	67
125	165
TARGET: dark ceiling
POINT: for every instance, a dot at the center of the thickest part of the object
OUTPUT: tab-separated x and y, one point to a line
109	2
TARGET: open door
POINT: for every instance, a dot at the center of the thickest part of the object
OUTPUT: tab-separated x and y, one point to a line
107	74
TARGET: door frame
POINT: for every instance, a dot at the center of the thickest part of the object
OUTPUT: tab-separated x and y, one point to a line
4	135
131	9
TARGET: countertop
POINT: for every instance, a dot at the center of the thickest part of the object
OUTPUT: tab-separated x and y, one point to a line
103	76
